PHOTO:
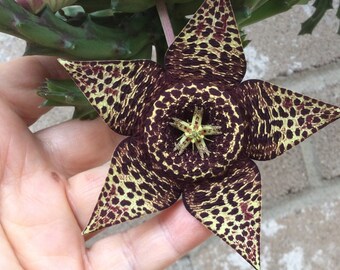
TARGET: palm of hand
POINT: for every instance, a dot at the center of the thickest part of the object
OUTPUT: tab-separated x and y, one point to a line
49	183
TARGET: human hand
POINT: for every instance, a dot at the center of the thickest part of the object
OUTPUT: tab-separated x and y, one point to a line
50	182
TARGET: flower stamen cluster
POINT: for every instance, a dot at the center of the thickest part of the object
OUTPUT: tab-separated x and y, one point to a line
194	133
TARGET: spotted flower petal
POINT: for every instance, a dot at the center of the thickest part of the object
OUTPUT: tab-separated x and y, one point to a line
280	118
131	189
231	208
209	47
120	91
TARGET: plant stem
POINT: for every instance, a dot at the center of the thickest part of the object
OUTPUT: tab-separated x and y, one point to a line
165	20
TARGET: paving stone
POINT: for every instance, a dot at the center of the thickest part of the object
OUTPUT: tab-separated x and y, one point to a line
284	175
277	49
322	83
306	239
53	117
327	141
184	264
10	47
327	145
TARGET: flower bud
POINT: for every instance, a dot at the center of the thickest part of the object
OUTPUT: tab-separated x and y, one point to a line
36	6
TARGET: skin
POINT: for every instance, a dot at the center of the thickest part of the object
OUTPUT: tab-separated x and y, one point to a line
50	182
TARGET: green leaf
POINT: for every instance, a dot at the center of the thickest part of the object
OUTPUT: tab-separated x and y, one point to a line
73	15
245	41
303	2
92	6
104	13
321	6
265	9
242	14
172	2
131	6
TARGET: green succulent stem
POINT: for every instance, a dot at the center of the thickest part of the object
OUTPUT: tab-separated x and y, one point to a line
66	93
91	41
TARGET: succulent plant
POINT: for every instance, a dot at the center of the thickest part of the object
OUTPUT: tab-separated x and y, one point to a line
36	6
197	99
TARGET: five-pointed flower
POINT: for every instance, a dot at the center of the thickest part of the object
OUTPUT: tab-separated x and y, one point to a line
197	99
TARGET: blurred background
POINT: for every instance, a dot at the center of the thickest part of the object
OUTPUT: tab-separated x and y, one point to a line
301	189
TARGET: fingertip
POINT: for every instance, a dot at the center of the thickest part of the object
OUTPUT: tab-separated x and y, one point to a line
185	230
20	80
53	67
63	62
170	235
76	145
83	190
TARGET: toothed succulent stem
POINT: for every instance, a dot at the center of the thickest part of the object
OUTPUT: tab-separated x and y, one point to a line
66	93
36	6
92	41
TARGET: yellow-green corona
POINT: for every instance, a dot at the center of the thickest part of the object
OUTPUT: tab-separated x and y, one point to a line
194	133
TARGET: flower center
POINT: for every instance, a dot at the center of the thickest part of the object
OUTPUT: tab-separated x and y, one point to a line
194	133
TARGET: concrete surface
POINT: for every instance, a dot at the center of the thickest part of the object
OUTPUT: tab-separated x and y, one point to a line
301	214
10	47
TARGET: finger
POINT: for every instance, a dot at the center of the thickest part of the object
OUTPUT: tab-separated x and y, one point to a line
76	145
17	148
8	260
155	244
22	77
170	235
39	222
83	191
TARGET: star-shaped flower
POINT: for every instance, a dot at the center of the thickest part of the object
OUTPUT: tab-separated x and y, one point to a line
198	98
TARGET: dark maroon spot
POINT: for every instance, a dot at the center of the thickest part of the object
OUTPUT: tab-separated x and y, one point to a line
125	203
214	43
287	103
289	134
305	111
110	91
120	191
316	110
